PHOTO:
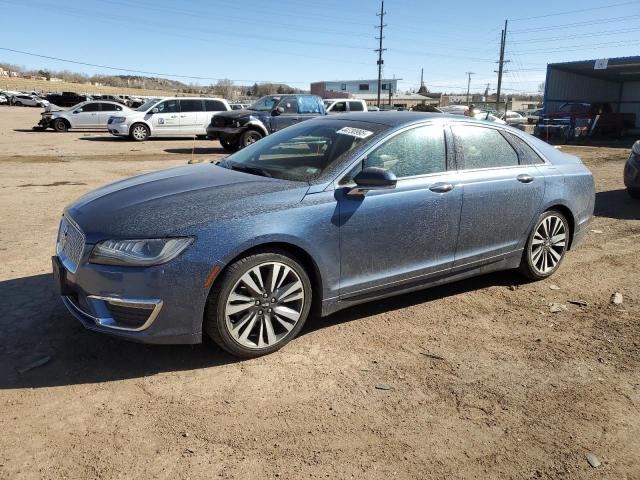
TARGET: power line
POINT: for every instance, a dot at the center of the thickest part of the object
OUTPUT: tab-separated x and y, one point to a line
142	72
575	35
578	24
567	12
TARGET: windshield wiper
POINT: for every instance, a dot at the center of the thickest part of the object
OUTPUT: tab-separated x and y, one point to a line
247	169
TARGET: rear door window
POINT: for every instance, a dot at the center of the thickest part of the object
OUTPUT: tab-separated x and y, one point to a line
215	106
356	107
526	154
91	107
310	104
481	147
190	105
108	107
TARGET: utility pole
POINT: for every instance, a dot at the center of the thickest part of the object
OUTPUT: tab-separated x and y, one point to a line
501	63
469	84
380	49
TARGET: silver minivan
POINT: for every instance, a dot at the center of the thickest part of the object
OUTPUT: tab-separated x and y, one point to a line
168	117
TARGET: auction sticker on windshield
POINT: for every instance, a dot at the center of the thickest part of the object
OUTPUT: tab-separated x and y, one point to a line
355	132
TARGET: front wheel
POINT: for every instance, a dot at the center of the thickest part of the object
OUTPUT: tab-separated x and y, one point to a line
546	246
59	125
250	137
18	104
259	304
139	132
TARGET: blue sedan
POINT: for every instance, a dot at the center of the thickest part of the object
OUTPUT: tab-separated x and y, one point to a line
320	216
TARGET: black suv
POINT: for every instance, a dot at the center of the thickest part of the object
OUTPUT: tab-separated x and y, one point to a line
66	99
238	128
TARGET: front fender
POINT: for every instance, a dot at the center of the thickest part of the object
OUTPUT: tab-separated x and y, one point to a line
258	125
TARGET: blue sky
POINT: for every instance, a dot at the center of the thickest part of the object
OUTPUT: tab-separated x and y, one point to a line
297	42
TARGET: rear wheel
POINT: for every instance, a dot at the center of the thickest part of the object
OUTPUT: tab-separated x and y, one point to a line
259	304
250	137
230	144
59	125
546	246
139	132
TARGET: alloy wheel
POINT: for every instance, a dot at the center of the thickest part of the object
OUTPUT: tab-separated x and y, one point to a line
139	132
548	245
264	305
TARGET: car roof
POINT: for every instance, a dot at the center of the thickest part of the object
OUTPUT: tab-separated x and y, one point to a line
402	118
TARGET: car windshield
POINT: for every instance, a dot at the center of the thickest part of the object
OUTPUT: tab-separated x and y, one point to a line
147	104
265	104
303	152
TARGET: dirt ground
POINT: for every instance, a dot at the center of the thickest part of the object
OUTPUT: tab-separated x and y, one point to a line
484	381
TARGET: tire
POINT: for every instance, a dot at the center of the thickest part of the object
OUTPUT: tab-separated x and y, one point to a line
544	253
18	103
250	137
230	144
633	193
139	132
59	125
248	329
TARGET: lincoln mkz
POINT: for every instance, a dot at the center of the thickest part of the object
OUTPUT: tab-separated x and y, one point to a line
317	217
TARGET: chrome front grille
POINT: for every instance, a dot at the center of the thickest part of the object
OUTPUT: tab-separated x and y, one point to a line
70	244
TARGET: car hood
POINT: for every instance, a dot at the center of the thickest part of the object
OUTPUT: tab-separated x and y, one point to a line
236	114
178	201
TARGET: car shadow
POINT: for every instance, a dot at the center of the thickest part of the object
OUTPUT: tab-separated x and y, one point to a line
617	204
38	332
198	151
42	130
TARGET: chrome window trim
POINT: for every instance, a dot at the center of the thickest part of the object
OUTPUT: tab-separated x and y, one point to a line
109	322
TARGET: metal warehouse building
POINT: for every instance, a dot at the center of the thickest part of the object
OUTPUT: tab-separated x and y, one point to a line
613	80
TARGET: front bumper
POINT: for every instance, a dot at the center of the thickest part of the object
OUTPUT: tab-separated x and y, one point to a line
118	129
46	122
163	304
217	132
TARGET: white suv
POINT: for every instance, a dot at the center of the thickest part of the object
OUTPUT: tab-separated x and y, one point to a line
344	105
168	117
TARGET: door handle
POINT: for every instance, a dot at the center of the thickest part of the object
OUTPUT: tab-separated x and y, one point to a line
441	187
525	178
174	116
182	116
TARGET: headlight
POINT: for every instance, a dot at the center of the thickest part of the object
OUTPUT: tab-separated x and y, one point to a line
119	119
139	253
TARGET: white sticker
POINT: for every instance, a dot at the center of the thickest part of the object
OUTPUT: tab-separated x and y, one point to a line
355	132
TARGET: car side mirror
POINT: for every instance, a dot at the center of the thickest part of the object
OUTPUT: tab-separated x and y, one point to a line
277	111
373	178
155	110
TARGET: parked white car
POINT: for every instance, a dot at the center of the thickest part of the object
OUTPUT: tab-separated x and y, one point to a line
89	114
24	100
3	100
168	117
514	118
344	105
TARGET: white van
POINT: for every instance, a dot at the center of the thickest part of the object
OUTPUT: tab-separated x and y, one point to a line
344	105
168	117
